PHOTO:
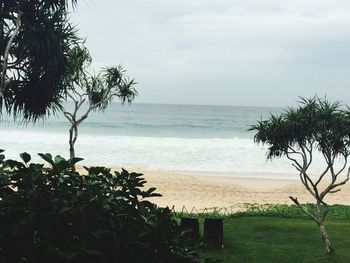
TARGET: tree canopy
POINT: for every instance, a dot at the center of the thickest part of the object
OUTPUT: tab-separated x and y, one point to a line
35	39
316	123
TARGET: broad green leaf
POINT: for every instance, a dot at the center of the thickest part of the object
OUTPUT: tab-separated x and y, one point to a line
47	157
59	159
76	160
25	157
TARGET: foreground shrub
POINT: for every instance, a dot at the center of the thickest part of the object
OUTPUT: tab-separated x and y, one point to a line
54	214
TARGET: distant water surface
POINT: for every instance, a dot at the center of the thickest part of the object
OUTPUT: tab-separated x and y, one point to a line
154	136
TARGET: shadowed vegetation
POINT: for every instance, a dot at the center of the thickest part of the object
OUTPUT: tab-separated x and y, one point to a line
54	214
35	39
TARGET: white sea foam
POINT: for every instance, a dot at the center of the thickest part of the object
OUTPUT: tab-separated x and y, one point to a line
223	155
211	139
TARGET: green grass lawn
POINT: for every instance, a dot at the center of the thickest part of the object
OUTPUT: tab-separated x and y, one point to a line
273	239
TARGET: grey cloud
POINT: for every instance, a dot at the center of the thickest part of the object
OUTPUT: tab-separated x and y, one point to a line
238	52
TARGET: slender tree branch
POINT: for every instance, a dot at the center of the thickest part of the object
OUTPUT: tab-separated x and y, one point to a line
298	166
333	185
71	96
295	200
309	150
343	167
322	175
68	116
7	51
307	184
334	191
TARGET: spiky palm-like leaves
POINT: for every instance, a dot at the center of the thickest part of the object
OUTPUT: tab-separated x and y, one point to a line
316	122
35	39
97	91
316	125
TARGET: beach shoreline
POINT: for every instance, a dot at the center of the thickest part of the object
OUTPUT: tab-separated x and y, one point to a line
201	191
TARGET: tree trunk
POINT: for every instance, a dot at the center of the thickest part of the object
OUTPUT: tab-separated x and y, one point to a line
325	238
320	222
7	52
71	143
319	218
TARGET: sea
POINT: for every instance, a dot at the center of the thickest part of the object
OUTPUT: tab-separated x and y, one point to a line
192	138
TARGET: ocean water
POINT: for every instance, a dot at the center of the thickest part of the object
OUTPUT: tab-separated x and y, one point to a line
212	139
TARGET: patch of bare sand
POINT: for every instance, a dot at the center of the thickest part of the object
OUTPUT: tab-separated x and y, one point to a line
201	191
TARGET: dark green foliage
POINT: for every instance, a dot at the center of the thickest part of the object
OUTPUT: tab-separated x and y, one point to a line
316	121
111	83
79	59
37	60
115	76
54	214
99	89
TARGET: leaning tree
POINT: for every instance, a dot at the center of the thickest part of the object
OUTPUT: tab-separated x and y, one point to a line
315	126
35	38
90	92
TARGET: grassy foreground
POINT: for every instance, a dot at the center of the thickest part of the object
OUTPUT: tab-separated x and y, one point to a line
275	239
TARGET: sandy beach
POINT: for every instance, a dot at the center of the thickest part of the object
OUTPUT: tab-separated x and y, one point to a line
231	190
202	191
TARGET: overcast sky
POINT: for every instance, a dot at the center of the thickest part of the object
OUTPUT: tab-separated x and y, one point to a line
225	52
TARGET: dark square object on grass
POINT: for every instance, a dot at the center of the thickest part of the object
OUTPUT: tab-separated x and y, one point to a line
192	224
214	232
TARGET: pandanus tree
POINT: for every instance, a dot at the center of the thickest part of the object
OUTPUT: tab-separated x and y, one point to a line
90	92
35	38
315	126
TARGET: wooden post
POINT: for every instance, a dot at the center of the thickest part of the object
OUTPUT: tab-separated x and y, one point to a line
214	232
191	224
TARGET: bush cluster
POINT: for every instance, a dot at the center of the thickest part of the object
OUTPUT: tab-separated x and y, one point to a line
52	213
